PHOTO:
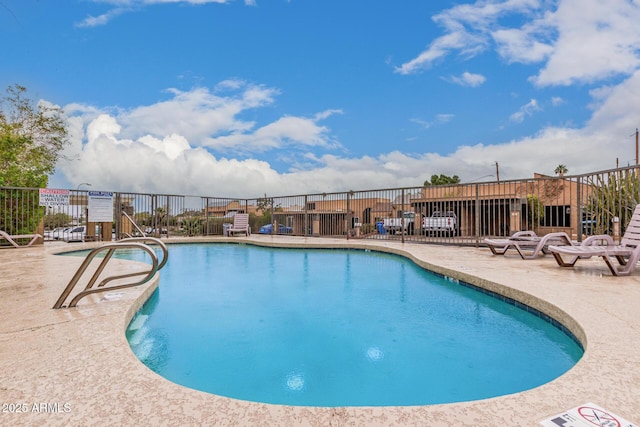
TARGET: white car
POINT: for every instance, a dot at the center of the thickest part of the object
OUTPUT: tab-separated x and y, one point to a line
56	233
48	234
74	234
151	231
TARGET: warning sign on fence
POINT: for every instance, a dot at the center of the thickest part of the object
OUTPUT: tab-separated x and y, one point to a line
53	197
100	206
587	415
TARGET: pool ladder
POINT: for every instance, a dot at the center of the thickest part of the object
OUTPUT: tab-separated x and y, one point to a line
141	243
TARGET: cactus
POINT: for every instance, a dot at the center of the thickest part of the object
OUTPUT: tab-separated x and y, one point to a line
613	195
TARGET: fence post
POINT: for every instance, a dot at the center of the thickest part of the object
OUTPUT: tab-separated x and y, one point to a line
117	214
348	219
578	209
271	202
477	215
402	212
305	222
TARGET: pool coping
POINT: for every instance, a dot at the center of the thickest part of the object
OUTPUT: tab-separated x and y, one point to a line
79	359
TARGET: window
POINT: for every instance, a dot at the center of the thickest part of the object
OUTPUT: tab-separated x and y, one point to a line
557	216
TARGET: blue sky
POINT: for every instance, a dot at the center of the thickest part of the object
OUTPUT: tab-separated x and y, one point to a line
243	98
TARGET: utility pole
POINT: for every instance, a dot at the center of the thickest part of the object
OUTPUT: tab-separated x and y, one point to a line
636	147
498	170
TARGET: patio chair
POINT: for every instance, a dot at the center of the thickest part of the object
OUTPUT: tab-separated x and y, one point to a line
12	238
626	253
240	224
528	244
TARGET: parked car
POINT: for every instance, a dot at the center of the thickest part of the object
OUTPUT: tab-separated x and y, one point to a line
441	221
58	233
152	231
395	225
588	227
74	234
55	233
268	229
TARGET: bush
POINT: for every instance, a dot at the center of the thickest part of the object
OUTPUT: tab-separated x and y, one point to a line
20	211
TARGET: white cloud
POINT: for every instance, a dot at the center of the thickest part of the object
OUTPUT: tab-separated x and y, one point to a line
96	21
198	114
616	109
213	120
284	131
103	155
574	40
468	29
600	41
440	118
439	48
526	110
469	79
160	147
423	123
172	164
521	45
138	3
139	166
444	118
151	164
124	6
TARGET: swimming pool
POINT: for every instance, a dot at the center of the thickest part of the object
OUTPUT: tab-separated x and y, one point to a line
337	328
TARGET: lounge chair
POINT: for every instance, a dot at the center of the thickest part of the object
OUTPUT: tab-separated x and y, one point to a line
240	224
12	238
528	244
500	246
626	253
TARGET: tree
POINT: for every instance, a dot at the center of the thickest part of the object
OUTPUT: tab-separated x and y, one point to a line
561	170
20	164
54	220
32	138
161	213
264	204
534	212
442	180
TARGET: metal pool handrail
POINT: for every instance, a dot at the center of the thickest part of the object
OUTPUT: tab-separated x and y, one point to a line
126	215
109	249
154	240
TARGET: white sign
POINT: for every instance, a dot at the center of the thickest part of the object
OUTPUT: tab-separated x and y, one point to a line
100	206
52	197
587	415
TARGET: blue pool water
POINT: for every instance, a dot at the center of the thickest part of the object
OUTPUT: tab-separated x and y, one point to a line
337	328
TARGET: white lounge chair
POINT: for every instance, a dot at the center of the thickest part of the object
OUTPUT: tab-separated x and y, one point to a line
627	253
528	244
240	224
12	238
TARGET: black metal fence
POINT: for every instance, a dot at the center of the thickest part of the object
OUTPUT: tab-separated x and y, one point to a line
581	205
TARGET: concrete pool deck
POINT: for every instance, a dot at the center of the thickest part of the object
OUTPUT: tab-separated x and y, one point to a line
75	367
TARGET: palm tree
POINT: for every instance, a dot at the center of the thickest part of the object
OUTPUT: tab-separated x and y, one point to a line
561	170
